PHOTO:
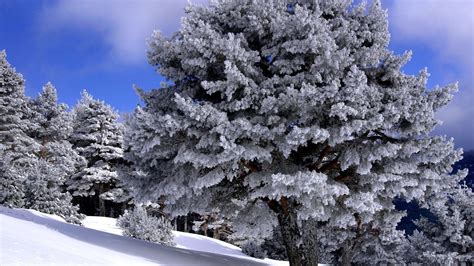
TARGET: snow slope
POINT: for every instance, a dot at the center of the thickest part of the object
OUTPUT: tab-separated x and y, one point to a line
183	240
28	237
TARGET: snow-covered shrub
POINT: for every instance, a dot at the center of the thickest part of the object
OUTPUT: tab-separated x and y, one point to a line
138	224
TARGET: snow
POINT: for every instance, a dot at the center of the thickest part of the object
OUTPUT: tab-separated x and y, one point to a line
183	240
29	237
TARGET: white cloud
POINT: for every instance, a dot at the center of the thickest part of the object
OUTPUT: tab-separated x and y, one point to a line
447	29
124	24
444	26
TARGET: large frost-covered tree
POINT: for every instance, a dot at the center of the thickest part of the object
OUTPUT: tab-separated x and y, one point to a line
290	113
97	136
55	158
16	151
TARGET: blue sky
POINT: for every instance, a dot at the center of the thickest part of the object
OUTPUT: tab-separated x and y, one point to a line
100	45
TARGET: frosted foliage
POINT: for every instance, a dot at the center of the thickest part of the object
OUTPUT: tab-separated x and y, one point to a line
16	150
43	192
271	247
299	107
52	126
450	239
55	158
367	243
138	224
254	223
52	118
96	136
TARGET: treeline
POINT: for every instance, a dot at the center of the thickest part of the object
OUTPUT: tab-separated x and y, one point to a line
69	161
56	160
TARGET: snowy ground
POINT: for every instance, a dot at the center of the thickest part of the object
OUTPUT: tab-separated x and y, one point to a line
32	238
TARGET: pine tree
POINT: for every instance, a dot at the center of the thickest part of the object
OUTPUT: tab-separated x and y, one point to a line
16	153
55	158
97	136
296	115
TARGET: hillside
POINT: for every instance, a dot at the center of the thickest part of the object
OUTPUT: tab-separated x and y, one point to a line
29	237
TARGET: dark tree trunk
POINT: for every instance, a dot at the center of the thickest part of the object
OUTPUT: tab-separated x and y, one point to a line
310	242
301	247
346	255
186	223
101	201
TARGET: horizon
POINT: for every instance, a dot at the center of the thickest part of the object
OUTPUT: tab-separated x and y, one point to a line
100	46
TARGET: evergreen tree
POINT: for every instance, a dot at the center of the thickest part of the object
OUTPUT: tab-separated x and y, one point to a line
290	114
56	160
16	153
97	136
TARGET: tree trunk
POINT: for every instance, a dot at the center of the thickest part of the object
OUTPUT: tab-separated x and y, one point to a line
346	256
205	229
101	201
186	223
300	248
310	242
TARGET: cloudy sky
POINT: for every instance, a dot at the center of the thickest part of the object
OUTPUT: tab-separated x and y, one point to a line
100	45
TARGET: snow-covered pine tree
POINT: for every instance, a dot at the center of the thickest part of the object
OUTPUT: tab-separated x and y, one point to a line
448	240
97	136
17	147
293	113
55	158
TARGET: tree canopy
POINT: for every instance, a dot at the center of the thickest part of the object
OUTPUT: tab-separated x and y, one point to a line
291	114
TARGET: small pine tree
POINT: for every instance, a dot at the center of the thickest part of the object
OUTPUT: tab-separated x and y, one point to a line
17	147
138	224
97	136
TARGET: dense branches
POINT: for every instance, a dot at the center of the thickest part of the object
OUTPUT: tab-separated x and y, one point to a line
297	108
97	136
